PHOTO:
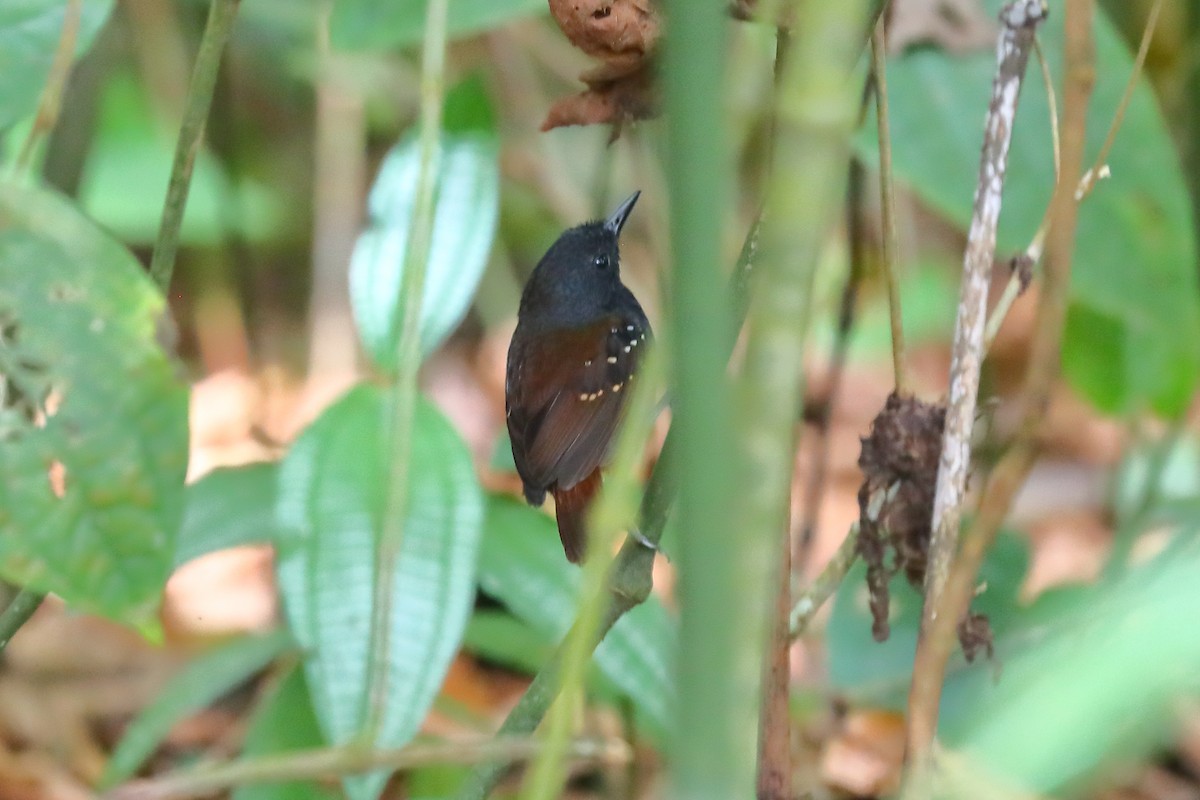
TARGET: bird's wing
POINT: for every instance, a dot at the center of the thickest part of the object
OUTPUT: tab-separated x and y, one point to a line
566	393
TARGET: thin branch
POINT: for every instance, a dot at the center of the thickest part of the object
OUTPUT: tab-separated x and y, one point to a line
811	599
56	80
404	388
1019	20
887	200
938	637
221	15
1099	168
337	762
17	614
1033	254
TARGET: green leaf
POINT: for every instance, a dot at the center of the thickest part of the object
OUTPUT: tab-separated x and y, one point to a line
29	34
90	398
1102	677
331	506
503	639
199	684
228	508
282	723
1135	305
368	24
464	225
521	564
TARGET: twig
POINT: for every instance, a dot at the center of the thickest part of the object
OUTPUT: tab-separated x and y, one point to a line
1019	20
336	762
1099	169
404	387
221	15
937	640
887	200
17	614
811	599
51	100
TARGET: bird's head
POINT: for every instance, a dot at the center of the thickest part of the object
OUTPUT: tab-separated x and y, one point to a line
576	278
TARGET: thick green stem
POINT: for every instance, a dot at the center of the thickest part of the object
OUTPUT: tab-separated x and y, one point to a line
404	393
221	15
817	115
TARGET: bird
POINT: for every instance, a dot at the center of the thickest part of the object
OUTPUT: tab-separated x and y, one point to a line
580	337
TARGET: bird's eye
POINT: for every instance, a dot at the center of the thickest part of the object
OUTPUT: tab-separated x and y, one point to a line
601	261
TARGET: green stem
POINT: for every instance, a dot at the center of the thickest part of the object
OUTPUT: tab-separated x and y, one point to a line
17	614
404	396
221	15
818	113
698	171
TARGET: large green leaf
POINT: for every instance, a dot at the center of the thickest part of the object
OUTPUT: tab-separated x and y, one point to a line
464	225
1133	333
362	24
1101	679
227	508
29	34
283	722
92	399
331	505
195	688
522	565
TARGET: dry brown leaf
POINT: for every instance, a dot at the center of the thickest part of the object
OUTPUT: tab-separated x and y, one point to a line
621	33
616	100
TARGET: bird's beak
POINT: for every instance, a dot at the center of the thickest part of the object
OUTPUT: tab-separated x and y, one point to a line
616	220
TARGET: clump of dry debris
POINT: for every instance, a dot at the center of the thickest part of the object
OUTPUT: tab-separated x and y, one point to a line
899	462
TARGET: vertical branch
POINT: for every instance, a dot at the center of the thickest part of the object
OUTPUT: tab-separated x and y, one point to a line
938	640
404	390
887	204
221	15
1019	20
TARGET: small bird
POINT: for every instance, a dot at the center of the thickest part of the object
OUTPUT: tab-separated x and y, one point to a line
579	339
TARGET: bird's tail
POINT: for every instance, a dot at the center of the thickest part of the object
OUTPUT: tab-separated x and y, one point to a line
570	506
